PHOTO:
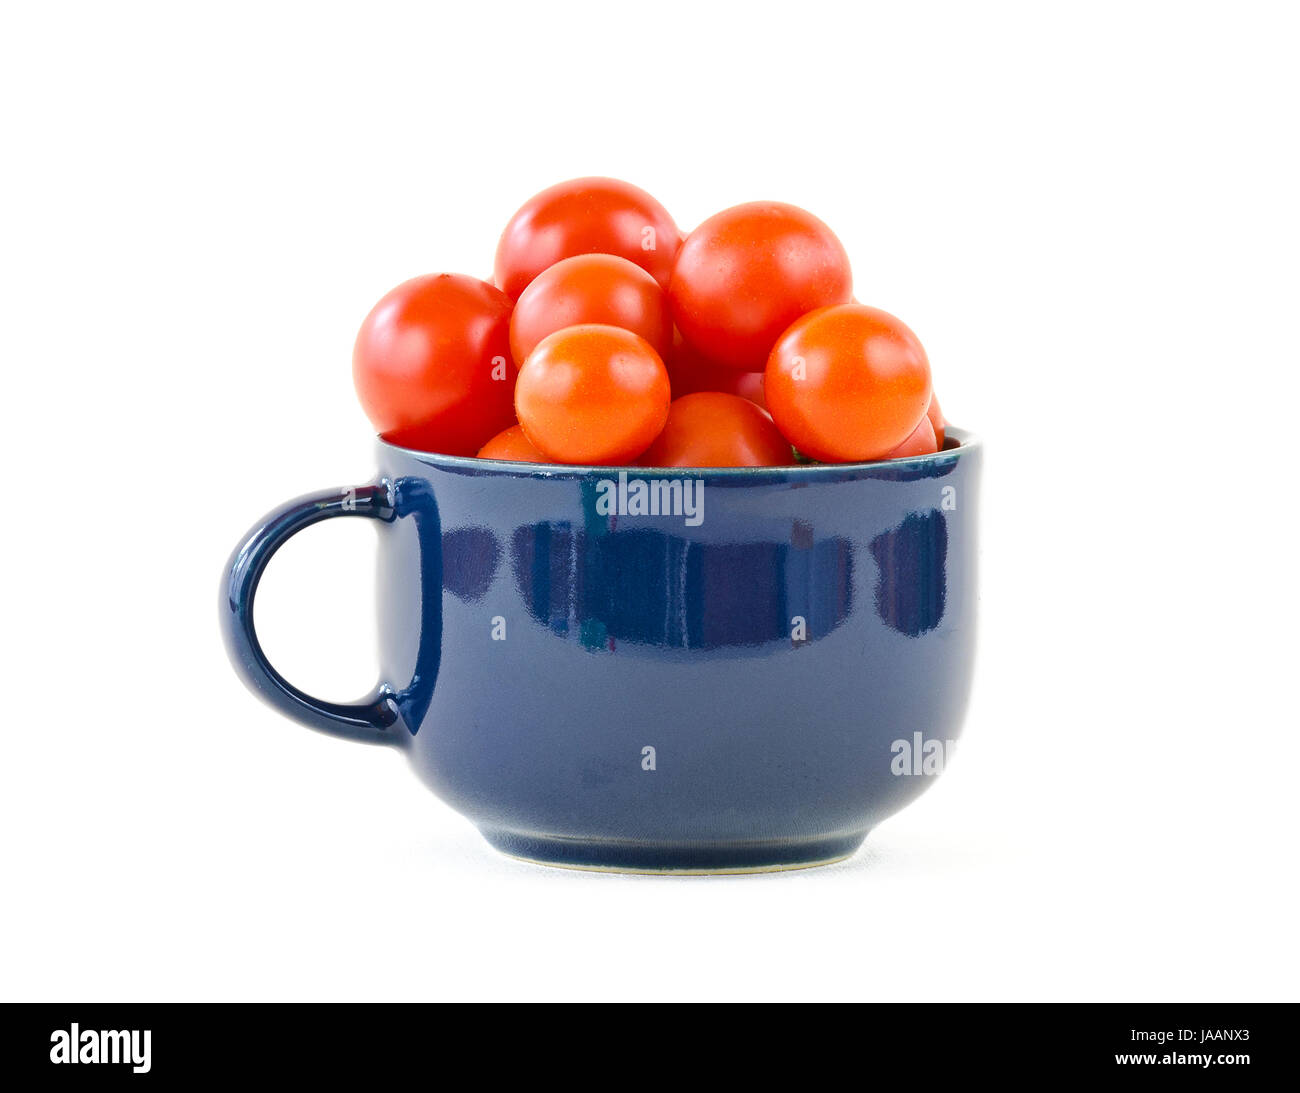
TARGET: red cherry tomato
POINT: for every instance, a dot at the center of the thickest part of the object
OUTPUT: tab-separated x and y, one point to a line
591	288
690	372
592	394
586	216
937	422
712	429
511	445
747	273
432	364
921	442
847	383
750	385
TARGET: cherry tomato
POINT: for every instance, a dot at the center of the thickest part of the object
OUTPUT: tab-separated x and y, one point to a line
586	216
847	383
750	385
591	288
937	422
592	394
712	429
921	442
690	372
432	364
511	445
747	273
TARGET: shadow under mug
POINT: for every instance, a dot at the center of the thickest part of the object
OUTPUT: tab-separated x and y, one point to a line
666	670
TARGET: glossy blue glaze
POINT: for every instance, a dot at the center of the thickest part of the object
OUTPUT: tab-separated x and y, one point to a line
772	653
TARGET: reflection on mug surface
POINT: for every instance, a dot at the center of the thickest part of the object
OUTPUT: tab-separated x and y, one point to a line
649	587
913	563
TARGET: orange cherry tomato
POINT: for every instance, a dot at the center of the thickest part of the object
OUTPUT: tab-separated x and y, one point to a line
937	422
712	429
586	216
511	445
591	288
747	273
432	364
921	442
847	383
592	394
690	372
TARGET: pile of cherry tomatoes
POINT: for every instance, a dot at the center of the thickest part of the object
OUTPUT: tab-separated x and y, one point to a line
610	338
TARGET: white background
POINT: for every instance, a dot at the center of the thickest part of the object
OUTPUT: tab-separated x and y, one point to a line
1090	220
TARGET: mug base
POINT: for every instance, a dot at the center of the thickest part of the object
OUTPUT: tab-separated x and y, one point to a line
677	859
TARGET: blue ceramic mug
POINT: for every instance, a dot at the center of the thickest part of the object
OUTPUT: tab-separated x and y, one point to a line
714	670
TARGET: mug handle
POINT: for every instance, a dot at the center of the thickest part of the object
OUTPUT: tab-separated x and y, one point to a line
370	720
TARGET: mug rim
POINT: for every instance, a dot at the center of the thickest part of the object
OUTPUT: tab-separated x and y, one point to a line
966	442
